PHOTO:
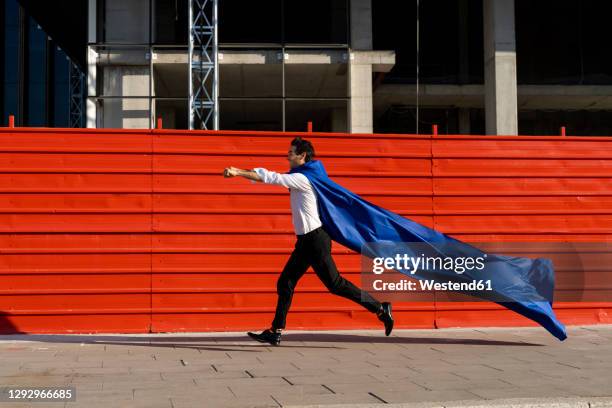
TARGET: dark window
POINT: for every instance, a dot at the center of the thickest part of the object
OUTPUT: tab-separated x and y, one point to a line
171	21
316	22
173	113
283	21
61	88
402	119
577	123
126	21
325	115
563	42
10	59
248	21
249	114
170	80
316	80
451	40
36	75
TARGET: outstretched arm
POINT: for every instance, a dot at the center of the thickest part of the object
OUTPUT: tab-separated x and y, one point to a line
296	181
247	174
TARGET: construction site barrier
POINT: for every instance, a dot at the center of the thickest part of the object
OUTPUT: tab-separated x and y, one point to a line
105	230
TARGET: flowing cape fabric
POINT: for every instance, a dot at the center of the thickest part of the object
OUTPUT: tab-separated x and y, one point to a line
525	285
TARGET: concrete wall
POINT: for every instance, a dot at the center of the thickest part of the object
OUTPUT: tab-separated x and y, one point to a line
126	81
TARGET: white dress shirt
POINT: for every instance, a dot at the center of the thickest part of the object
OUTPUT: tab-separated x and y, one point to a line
304	212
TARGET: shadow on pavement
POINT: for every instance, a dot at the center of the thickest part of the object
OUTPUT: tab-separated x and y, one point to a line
288	339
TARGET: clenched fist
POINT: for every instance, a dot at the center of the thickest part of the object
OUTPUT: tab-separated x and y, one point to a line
230	172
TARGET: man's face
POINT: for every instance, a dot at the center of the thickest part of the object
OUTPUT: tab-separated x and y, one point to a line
295	160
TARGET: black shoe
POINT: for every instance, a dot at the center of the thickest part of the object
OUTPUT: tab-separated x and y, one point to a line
384	315
266	336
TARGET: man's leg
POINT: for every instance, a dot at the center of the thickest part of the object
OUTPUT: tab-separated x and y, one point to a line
294	269
325	267
319	248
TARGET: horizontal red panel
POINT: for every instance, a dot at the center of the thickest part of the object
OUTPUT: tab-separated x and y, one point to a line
108	302
225	223
280	243
337	166
521	186
513	167
239	282
74	163
89	203
539	224
54	263
523	205
238	262
583	315
61	141
506	318
220	185
532	237
245	299
83	323
75	183
375	146
87	223
269	203
73	284
523	147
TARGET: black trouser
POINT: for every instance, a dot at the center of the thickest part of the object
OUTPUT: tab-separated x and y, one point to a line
314	249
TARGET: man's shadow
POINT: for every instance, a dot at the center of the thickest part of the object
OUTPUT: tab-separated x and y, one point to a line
7	326
229	342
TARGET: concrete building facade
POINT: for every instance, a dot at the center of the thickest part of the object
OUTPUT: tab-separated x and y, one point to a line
470	66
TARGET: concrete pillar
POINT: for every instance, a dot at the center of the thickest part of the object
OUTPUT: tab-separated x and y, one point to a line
361	108
500	67
91	108
361	102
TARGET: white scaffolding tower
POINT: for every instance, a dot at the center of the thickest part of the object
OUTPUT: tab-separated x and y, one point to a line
76	95
203	65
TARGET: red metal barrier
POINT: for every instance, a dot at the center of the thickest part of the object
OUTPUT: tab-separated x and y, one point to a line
135	231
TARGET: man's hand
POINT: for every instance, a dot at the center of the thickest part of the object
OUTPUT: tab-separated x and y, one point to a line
235	171
230	172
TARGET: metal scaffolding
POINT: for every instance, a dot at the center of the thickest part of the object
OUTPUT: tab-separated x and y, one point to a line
203	65
76	95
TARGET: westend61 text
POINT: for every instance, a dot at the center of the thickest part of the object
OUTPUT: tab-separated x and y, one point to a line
424	285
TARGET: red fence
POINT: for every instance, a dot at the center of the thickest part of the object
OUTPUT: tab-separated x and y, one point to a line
136	231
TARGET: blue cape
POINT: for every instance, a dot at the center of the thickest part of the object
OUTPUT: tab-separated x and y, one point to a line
523	285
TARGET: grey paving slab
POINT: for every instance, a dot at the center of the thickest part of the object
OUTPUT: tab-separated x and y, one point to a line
482	367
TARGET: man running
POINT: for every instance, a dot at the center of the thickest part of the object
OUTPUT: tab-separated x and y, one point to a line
313	245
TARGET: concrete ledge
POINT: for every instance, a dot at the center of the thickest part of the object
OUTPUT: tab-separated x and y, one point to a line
472	96
381	61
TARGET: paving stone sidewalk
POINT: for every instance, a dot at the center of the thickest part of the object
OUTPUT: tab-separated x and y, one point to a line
482	366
